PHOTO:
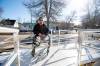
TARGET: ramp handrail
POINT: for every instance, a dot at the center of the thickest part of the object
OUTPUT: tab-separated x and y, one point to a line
15	55
84	36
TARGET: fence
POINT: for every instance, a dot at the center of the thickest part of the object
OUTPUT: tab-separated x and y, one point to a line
10	41
88	48
66	39
57	35
87	45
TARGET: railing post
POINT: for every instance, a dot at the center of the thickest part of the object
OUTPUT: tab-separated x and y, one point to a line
79	47
16	48
59	37
51	37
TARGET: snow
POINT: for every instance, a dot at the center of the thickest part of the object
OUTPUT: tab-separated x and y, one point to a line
4	57
64	53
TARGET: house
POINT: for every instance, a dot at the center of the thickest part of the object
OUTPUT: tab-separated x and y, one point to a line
9	23
24	27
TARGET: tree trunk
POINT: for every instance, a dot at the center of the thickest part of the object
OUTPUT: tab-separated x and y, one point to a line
47	14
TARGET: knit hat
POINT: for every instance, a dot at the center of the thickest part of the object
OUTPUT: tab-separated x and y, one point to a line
40	18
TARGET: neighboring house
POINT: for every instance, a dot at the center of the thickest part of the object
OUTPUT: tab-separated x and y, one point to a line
24	27
8	26
9	23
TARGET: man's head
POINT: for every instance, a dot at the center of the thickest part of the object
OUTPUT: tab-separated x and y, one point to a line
40	21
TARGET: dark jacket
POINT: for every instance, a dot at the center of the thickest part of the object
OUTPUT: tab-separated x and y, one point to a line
40	29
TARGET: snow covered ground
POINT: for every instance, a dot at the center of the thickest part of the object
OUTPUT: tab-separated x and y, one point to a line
64	53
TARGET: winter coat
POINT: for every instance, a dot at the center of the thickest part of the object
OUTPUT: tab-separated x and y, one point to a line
40	29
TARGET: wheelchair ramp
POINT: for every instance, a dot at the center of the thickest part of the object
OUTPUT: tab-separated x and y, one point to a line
64	53
59	55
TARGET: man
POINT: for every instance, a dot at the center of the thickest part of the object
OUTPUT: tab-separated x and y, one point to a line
41	30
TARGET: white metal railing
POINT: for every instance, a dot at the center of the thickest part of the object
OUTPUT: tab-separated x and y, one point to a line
87	40
15	55
62	33
11	59
84	38
57	34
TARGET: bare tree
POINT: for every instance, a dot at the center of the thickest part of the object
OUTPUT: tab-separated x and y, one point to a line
92	19
69	19
46	8
97	12
86	19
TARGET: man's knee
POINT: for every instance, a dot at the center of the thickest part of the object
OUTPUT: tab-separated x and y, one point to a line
46	38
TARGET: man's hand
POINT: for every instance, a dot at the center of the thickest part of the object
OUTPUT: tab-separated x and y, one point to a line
40	34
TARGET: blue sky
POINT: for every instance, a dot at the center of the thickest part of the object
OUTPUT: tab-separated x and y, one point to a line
14	9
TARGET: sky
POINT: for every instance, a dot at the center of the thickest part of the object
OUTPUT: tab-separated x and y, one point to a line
14	9
79	6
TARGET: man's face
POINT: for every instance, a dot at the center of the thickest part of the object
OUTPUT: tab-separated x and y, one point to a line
40	22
